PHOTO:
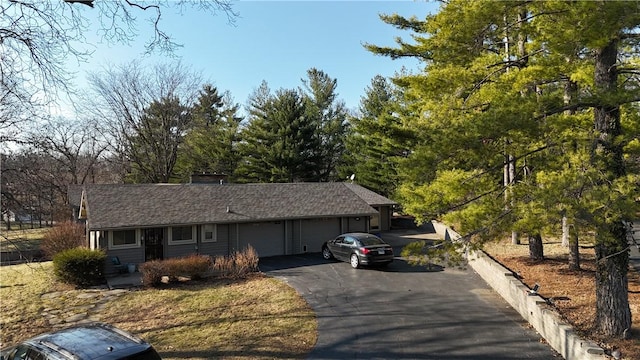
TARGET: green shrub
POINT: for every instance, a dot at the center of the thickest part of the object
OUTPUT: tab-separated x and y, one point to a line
65	236
79	266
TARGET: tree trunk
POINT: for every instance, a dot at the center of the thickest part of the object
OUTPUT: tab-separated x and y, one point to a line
536	251
613	315
565	231
570	92
574	250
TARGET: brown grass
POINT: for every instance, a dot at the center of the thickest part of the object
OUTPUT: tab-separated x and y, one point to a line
253	318
21	240
573	291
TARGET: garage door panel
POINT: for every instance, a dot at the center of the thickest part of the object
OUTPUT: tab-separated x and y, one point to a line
267	238
316	231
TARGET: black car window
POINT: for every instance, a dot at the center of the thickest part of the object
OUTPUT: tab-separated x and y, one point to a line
371	240
348	240
35	355
20	353
339	240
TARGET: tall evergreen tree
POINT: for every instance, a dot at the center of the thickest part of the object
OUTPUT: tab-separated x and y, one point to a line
279	142
210	145
378	140
494	93
330	117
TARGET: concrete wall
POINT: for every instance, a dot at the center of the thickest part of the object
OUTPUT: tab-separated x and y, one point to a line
532	308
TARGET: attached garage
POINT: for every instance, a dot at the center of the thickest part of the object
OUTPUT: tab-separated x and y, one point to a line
314	232
267	238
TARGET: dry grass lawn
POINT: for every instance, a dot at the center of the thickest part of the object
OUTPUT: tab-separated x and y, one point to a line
254	318
575	291
21	240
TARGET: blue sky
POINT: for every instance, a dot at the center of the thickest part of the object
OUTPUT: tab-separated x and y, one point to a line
278	41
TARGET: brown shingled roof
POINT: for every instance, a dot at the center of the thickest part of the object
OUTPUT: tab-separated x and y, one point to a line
125	205
372	198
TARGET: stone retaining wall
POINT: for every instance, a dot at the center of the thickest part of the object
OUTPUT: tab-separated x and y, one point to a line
533	308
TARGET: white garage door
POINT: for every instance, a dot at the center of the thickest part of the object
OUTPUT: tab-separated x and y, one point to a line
266	237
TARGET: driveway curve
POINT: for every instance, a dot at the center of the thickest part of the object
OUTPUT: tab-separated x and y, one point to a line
406	312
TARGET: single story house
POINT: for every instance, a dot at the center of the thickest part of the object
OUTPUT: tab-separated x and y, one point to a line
141	222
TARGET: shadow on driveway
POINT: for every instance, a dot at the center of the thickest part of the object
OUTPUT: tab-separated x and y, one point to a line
279	263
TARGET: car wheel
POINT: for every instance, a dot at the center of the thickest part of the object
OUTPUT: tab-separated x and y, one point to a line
355	262
326	253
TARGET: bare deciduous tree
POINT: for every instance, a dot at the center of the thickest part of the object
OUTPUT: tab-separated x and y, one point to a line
37	38
145	114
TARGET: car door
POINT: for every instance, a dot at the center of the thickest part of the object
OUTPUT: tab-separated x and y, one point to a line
347	247
335	246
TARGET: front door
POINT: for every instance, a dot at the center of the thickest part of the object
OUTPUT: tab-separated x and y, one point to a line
153	243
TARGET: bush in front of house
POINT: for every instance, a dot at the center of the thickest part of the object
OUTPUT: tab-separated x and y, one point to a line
152	272
80	266
193	267
65	236
238	264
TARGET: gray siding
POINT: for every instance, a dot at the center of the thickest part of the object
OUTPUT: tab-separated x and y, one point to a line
172	251
219	247
295	245
385	218
127	256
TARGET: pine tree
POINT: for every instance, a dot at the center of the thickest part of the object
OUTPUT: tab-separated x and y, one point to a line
378	140
210	145
330	117
494	93
279	143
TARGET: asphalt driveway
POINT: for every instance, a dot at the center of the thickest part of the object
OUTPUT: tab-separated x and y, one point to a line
405	312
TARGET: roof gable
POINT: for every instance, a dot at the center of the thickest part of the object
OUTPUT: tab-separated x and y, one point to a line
111	206
372	198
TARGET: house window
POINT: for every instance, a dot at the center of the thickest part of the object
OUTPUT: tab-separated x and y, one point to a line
123	239
179	235
209	233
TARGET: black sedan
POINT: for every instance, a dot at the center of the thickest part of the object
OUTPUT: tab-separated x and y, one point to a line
91	341
358	249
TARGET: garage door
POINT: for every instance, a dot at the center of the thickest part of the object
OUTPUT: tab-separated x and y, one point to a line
316	231
266	237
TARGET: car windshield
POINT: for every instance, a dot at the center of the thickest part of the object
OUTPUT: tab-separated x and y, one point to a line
371	240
